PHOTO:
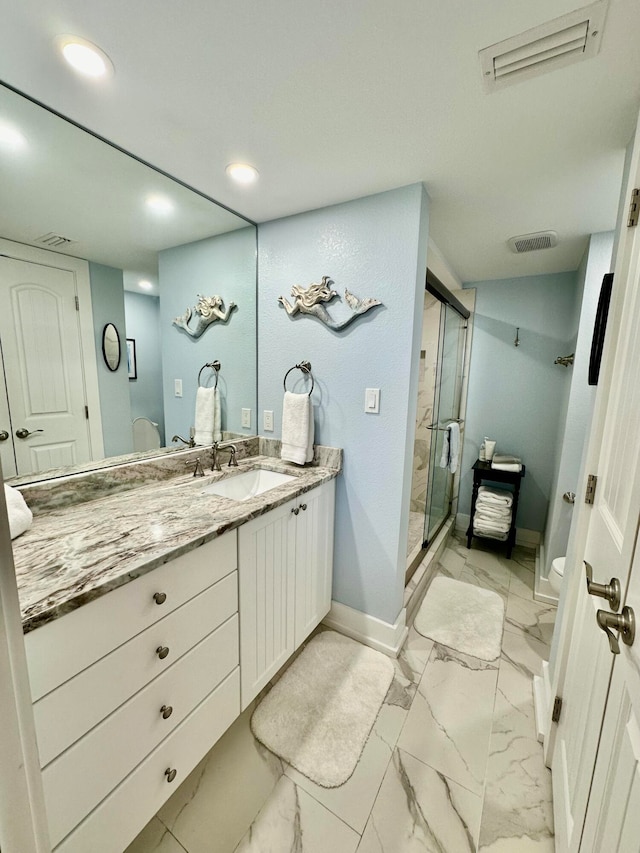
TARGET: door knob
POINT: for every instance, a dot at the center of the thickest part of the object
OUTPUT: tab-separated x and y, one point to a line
25	433
4	435
624	622
610	591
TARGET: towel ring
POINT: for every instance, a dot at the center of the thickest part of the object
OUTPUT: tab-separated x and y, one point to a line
214	365
305	367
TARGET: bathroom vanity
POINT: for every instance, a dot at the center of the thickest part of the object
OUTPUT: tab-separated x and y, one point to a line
140	661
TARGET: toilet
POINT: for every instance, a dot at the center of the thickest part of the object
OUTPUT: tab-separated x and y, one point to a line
145	435
556	574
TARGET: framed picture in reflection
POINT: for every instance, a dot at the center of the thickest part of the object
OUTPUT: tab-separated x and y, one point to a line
132	364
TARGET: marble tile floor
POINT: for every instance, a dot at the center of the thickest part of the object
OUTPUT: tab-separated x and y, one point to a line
452	764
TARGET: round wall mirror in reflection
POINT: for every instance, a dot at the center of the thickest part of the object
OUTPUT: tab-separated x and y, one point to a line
111	347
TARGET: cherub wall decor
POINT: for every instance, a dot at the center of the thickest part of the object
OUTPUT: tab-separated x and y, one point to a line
208	310
308	300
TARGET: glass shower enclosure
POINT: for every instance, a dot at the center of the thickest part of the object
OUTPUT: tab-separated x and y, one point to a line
439	398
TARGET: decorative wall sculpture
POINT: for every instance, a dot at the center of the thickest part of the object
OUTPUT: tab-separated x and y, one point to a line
307	300
208	310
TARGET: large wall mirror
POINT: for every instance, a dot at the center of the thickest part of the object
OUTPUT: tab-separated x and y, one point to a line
91	236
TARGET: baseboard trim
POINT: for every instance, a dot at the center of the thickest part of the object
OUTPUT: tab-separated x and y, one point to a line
524	537
373	632
541	702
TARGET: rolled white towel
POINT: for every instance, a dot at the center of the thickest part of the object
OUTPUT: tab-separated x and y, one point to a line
515	467
491	526
297	428
20	516
493	513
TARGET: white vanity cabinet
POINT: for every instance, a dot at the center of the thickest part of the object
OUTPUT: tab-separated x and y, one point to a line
285	562
131	691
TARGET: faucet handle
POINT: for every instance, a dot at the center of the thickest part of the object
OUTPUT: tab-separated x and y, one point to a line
198	470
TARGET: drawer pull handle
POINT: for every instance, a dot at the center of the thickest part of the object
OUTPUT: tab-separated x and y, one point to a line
303	507
295	510
160	597
170	774
162	652
166	711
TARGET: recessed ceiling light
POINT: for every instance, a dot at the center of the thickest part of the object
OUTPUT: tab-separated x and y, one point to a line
10	137
84	57
145	285
242	173
159	204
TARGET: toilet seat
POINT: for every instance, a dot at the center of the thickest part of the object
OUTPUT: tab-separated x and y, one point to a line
556	574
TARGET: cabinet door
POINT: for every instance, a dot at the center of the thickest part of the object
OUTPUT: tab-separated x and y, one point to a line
314	558
266	558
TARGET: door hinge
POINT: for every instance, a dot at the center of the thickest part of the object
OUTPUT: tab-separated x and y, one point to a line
77	303
634	209
557	709
86	412
590	495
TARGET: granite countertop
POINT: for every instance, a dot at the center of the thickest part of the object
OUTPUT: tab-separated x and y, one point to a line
72	555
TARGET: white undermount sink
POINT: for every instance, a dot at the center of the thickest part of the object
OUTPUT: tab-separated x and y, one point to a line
241	487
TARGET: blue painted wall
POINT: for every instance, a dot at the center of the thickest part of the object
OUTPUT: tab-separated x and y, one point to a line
224	266
517	395
142	314
107	302
375	247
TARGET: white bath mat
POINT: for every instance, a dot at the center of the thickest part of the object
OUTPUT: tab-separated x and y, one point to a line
319	715
464	617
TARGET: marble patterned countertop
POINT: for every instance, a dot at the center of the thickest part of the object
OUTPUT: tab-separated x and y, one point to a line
74	554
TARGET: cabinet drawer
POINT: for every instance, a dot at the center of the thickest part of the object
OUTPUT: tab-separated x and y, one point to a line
67	713
119	818
60	649
86	773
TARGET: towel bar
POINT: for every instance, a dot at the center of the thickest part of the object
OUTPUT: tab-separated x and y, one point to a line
214	365
305	367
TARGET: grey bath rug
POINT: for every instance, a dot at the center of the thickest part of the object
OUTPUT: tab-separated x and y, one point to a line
463	617
318	716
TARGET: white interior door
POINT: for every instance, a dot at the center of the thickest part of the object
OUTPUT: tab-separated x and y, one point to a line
608	547
40	337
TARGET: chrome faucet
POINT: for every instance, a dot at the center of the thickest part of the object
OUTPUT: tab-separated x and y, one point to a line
190	442
215	451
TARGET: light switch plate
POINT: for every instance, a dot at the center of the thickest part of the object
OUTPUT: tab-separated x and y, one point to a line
268	421
177	387
372	400
246	418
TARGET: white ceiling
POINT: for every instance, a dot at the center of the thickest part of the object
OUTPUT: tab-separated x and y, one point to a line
334	100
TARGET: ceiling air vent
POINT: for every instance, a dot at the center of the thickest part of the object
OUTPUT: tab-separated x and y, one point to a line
54	240
533	242
564	40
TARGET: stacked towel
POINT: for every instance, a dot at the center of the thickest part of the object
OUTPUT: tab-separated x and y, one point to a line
208	422
451	447
505	462
297	428
492	517
20	516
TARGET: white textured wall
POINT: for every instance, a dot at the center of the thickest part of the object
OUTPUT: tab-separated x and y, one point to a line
375	247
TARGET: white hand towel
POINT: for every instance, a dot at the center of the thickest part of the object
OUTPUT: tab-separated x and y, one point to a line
207	419
454	446
297	428
491	526
444	456
20	516
493	512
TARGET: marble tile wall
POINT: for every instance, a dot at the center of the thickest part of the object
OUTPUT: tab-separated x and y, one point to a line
424	414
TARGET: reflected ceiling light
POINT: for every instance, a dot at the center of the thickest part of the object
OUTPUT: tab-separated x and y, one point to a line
10	137
242	173
84	57
159	204
145	285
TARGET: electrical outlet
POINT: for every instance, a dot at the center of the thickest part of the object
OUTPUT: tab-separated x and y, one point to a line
246	418
268	421
177	387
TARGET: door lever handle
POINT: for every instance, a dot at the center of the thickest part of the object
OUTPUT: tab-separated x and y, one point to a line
624	622
609	591
25	433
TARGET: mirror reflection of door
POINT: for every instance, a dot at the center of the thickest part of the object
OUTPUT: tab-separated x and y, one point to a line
42	359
